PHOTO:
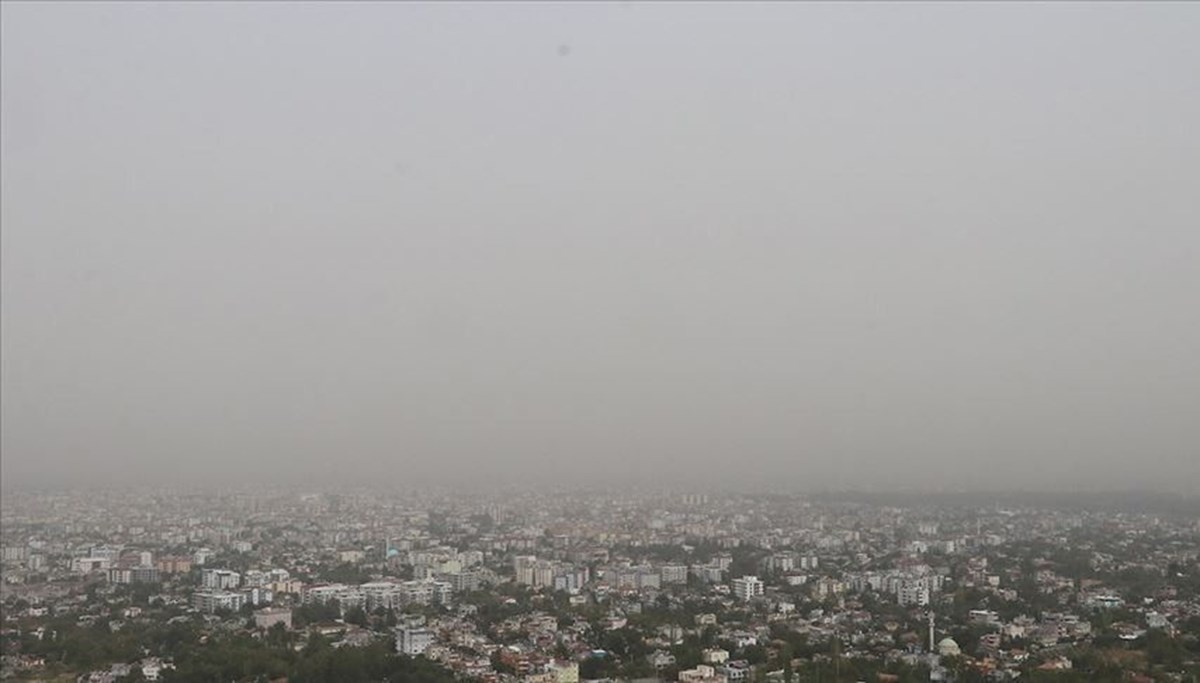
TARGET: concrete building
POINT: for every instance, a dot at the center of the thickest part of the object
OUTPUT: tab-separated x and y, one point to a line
385	594
747	588
701	674
322	594
413	641
462	582
709	573
782	562
268	617
674	573
86	565
661	659
912	593
212	600
741	670
133	575
220	579
523	568
174	564
15	554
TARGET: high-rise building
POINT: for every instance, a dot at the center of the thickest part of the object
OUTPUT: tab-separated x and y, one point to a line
523	566
913	593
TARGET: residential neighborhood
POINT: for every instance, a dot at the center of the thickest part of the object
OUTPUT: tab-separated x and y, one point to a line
565	586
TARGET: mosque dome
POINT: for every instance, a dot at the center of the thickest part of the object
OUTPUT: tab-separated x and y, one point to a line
948	647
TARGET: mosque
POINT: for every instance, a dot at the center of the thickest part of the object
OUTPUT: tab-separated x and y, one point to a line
946	647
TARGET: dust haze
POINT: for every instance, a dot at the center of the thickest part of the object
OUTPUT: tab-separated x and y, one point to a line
871	246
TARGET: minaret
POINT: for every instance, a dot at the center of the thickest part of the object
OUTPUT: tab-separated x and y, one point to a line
932	644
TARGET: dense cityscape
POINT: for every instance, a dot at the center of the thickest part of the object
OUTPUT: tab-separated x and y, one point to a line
565	586
599	342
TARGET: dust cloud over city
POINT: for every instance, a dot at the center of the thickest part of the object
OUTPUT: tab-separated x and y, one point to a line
811	246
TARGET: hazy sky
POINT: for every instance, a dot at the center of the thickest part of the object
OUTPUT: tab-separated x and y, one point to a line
865	245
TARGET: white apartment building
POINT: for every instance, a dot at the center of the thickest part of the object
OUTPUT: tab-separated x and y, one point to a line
382	594
413	641
701	674
912	593
543	574
133	575
254	578
324	593
212	600
747	588
220	579
708	573
572	580
674	573
85	565
14	553
462	582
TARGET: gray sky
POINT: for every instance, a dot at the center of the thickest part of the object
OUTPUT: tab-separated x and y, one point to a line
943	245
